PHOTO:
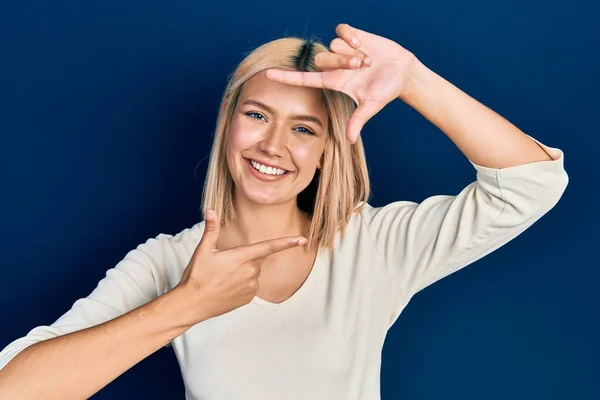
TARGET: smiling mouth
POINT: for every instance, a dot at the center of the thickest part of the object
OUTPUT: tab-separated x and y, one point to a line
266	170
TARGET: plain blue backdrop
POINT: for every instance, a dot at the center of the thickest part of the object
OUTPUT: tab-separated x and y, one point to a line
106	116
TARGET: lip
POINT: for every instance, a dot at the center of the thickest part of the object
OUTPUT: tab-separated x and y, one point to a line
264	177
266	164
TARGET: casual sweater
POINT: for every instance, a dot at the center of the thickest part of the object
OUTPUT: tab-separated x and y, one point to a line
325	341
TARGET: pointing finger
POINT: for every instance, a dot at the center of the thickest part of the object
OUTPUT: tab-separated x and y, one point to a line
262	249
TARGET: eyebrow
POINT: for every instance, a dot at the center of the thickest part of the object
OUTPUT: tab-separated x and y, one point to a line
308	118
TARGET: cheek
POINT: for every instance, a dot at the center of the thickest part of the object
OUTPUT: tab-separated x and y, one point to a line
307	156
242	137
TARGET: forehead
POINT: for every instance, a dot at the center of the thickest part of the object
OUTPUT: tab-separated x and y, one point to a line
285	99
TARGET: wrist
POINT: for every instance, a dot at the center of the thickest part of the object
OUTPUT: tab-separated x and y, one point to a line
180	313
417	83
189	307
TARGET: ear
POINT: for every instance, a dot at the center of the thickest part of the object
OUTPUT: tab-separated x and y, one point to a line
321	162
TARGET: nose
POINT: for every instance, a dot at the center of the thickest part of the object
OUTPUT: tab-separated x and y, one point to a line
274	142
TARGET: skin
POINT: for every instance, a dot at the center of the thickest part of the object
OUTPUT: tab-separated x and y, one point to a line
262	254
266	127
384	71
229	266
275	137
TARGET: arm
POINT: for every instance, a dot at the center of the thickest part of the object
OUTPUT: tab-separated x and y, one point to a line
90	332
518	180
481	134
79	364
124	320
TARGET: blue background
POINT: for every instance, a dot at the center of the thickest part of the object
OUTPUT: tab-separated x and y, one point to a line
106	115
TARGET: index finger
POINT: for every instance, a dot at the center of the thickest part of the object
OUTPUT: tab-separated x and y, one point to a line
259	250
297	78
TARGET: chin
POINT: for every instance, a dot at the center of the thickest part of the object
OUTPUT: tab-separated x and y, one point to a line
263	196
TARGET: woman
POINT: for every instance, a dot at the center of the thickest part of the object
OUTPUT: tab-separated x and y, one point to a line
289	286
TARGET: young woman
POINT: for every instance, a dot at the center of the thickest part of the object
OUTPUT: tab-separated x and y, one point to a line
289	286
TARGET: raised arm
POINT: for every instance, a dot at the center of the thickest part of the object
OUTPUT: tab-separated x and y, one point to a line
375	71
518	178
483	136
421	243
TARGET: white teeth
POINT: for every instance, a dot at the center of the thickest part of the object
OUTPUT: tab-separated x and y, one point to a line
266	170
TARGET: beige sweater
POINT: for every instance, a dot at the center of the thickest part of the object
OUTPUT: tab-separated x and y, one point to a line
325	341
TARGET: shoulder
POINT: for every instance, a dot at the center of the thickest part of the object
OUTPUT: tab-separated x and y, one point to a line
375	217
162	241
180	244
369	211
164	256
189	235
166	251
368	220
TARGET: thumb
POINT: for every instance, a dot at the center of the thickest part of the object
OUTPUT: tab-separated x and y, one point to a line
212	225
359	118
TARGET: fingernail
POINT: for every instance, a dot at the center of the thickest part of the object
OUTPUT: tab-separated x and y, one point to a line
209	215
355	41
302	241
368	61
354	62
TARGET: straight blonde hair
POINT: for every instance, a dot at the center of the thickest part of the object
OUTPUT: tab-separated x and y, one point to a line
340	189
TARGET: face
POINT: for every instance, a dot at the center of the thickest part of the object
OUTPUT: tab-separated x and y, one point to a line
276	141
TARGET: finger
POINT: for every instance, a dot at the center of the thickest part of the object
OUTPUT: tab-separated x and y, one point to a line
339	46
363	113
328	61
212	225
354	37
297	78
259	250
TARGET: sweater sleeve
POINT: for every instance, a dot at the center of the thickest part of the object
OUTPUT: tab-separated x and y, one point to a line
133	282
423	243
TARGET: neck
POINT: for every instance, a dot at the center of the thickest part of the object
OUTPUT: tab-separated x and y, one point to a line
258	222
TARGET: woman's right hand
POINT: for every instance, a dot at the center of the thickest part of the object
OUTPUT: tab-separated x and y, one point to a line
216	282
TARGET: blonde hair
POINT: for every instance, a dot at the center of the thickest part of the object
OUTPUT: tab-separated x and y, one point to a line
338	190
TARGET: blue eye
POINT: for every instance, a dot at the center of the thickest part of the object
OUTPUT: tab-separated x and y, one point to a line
305	131
253	114
258	116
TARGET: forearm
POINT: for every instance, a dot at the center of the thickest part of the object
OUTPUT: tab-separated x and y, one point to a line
77	365
484	137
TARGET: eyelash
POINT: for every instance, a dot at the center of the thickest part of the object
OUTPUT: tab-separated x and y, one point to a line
307	131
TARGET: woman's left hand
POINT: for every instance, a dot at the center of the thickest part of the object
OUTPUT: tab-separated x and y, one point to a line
370	69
